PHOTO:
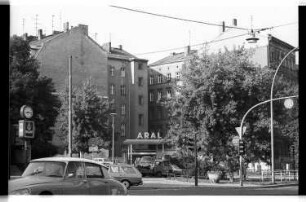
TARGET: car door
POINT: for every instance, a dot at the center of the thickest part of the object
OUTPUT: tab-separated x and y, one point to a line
75	181
98	185
115	172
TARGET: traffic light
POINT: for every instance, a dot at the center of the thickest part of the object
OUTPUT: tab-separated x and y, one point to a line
241	147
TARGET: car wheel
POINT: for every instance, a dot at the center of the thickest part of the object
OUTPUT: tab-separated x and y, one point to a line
126	183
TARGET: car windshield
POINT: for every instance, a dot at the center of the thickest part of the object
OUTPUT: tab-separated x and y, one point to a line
128	170
47	169
175	167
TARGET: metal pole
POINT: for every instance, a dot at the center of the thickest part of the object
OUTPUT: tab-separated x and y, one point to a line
241	127
271	107
196	160
113	139
113	135
241	160
69	109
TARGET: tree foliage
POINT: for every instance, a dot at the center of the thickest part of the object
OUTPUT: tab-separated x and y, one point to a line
89	117
28	87
215	92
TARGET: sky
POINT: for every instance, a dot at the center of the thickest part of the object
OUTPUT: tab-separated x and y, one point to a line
141	33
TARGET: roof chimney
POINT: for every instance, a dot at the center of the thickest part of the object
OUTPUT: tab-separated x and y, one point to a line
235	22
84	29
66	26
187	50
25	36
39	34
107	46
120	47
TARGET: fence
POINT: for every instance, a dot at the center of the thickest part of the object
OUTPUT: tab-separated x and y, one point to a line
282	175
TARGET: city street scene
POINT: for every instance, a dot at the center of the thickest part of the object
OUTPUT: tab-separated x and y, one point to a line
154	99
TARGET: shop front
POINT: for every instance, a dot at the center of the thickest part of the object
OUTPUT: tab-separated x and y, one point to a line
146	144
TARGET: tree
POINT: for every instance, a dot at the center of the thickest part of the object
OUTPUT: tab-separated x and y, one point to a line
89	117
215	92
27	86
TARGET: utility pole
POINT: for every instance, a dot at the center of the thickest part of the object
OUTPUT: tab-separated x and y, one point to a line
113	135
70	108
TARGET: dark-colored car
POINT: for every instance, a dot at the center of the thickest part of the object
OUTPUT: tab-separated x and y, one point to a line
126	174
65	175
145	165
165	168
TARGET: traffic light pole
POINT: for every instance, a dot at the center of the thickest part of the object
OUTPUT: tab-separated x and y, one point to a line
196	160
241	159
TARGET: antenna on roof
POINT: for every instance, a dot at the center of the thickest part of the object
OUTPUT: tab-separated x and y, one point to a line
110	37
23	23
52	25
36	18
60	19
189	37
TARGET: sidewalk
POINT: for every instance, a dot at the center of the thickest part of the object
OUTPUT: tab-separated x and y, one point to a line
156	182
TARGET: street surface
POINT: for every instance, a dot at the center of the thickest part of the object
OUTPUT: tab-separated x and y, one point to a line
161	186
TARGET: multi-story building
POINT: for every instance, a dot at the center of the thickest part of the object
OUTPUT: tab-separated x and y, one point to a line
118	75
128	92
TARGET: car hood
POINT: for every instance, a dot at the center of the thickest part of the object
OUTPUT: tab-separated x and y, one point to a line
23	182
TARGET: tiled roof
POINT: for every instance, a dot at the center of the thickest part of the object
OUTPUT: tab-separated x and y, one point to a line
173	58
120	54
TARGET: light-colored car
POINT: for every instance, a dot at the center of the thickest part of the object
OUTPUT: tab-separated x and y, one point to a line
103	161
65	176
126	174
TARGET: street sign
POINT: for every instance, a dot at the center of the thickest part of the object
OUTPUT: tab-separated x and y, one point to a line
26	129
235	140
238	129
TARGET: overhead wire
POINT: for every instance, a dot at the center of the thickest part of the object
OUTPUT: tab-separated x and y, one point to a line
177	18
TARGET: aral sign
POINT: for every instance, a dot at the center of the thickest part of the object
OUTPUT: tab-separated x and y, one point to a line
147	135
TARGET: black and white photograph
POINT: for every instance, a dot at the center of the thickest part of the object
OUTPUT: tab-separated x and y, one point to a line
153	98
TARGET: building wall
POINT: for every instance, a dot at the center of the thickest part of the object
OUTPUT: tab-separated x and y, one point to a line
88	60
158	115
130	100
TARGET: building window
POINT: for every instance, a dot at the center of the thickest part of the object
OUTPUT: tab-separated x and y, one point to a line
140	100
112	71
140	81
159	95
122	90
140	66
122	72
112	89
140	120
177	75
169	76
122	129
168	93
123	109
151	95
151	80
159	79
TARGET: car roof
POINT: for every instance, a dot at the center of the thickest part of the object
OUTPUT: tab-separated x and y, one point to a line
64	159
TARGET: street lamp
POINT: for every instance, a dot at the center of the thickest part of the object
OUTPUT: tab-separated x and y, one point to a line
113	135
271	107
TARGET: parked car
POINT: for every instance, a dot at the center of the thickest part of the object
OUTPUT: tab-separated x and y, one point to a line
165	168
65	175
145	165
126	174
103	161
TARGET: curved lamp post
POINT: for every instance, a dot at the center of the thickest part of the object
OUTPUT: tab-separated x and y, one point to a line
271	107
241	126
